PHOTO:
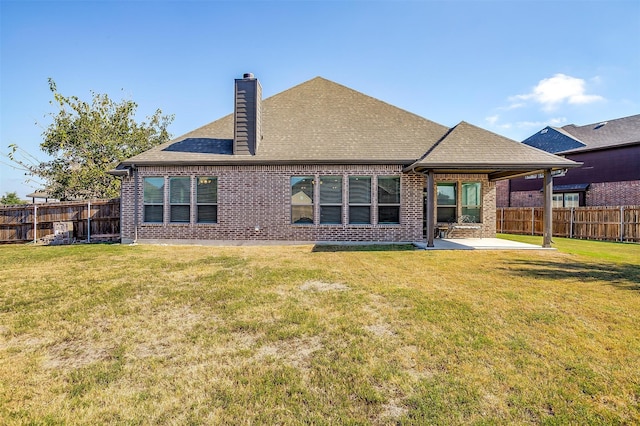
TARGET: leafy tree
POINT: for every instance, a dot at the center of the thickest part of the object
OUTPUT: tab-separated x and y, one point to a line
86	140
11	198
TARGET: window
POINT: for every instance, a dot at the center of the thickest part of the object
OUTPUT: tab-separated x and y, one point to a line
359	199
472	201
557	200
153	199
302	200
179	199
331	199
567	199
389	199
207	200
446	205
572	199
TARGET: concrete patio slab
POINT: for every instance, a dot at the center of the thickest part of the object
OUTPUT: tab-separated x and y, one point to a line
478	244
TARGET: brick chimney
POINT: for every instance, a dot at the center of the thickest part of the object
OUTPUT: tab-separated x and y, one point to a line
247	130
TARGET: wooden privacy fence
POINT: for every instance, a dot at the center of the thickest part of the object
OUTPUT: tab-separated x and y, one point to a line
620	223
94	220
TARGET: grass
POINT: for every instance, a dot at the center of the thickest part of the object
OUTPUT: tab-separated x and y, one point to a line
120	334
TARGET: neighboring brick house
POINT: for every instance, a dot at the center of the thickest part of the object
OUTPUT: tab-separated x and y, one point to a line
610	174
319	162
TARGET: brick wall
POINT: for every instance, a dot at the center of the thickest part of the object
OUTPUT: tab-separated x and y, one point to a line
527	199
254	203
502	193
598	194
614	194
488	226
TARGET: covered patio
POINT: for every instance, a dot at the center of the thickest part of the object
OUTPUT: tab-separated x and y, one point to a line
459	152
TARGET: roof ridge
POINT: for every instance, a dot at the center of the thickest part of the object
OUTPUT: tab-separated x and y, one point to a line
438	142
602	121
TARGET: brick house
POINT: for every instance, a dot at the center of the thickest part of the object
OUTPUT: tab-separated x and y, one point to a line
609	176
319	162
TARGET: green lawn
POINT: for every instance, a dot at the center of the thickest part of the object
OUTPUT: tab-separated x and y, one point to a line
117	334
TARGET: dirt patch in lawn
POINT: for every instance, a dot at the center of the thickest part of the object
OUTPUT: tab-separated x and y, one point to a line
296	352
323	286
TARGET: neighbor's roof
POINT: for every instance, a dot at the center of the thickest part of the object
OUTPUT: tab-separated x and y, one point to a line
320	121
594	136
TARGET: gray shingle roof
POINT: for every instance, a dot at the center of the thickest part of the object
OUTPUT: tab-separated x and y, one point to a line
621	131
316	121
320	121
553	140
470	147
601	135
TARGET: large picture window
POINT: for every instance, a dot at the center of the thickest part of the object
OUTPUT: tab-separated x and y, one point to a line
207	200
302	200
389	199
153	199
447	204
331	199
359	199
472	201
180	199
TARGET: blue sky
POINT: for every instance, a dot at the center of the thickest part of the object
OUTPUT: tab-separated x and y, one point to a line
511	67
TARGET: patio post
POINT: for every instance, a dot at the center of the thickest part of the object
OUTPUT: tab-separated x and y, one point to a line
431	200
547	219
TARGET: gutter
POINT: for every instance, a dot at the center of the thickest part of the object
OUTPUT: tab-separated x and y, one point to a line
268	162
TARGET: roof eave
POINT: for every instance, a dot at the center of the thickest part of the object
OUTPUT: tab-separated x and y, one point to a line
257	162
596	148
495	166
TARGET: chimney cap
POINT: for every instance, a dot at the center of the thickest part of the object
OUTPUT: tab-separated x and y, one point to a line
248	75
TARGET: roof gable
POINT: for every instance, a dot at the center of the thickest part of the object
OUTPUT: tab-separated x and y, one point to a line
317	121
322	122
470	146
551	139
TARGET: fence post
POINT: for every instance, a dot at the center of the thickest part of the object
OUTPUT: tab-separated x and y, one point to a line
35	223
533	220
502	220
571	222
89	221
621	223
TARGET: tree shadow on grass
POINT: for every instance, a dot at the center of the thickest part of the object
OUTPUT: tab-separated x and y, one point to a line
625	276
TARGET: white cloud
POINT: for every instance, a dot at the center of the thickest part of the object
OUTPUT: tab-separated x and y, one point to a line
492	120
553	91
553	122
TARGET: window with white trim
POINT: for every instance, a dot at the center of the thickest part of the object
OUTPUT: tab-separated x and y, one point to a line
567	199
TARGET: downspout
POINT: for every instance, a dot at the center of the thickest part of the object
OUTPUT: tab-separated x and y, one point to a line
547	220
89	221
430	208
135	203
430	213
35	223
